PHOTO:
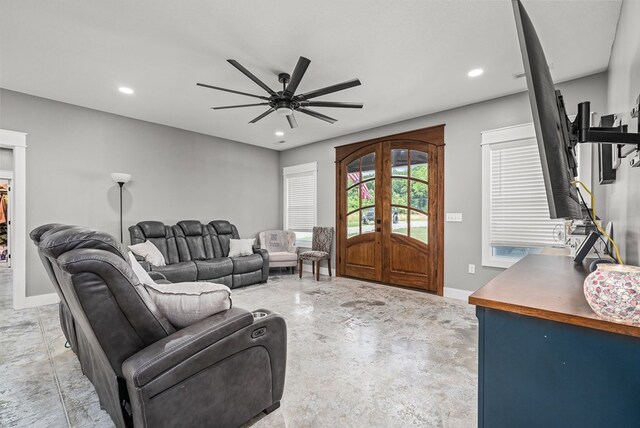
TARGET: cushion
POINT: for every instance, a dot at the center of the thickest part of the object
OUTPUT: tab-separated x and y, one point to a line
152	229
313	255
149	252
185	303
240	247
214	268
222	227
282	256
139	271
245	264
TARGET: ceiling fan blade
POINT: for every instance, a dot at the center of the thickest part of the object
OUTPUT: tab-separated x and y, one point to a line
317	115
328	90
231	90
296	77
330	104
266	113
238	106
293	123
251	76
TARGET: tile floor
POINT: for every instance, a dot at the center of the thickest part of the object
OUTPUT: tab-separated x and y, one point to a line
359	355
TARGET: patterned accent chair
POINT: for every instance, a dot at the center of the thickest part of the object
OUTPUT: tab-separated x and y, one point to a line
321	243
281	245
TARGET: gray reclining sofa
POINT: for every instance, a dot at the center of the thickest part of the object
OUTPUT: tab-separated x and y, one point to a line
199	252
221	371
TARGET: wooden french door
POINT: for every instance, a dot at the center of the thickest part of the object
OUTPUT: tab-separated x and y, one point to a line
390	209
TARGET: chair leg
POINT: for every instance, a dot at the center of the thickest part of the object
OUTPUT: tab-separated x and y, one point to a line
329	265
313	267
300	268
318	270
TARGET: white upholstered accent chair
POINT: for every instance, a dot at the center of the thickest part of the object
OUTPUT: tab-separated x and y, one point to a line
281	245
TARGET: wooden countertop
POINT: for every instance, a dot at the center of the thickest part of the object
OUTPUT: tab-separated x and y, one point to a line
548	287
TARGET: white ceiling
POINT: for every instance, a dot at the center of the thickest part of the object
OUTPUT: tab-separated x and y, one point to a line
412	56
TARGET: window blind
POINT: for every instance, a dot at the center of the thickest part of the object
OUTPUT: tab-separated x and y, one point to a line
300	197
519	214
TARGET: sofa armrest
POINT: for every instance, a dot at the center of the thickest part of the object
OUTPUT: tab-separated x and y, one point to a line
265	262
157	276
145	365
256	247
145	264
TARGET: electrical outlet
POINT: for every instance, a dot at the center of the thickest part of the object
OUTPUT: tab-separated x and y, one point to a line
457	217
472	268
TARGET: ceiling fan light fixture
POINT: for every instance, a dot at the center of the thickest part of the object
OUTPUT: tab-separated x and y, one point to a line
284	111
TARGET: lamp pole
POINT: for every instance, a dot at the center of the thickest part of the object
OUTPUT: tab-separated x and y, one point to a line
121	184
121	178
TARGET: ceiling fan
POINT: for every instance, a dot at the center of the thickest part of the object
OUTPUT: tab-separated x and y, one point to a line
285	102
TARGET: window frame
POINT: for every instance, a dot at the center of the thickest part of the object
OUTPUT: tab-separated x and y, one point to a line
312	168
511	134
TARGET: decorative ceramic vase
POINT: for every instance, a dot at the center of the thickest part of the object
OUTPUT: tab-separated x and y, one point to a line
613	292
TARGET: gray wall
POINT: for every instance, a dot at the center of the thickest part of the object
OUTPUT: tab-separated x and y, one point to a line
463	167
177	174
621	200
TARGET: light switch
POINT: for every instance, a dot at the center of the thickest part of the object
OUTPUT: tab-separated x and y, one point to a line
457	217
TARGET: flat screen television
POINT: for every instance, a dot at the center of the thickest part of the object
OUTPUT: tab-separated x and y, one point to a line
556	143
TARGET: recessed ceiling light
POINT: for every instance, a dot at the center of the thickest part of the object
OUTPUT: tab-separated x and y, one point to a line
475	72
279	133
125	90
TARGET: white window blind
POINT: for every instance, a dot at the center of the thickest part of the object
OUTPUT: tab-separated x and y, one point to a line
300	197
518	210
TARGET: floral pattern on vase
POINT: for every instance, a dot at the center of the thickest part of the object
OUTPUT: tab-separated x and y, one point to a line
613	292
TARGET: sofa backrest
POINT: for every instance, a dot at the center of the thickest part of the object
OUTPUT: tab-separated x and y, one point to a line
108	303
225	231
275	241
195	241
160	235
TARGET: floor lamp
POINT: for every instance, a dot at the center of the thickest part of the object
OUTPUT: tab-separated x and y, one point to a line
121	178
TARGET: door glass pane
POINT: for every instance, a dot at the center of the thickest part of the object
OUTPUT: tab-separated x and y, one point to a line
419	195
368	220
353	224
353	199
353	172
399	162
368	192
399	220
399	191
419	165
368	166
419	226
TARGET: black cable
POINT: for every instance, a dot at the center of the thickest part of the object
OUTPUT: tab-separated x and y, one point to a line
593	220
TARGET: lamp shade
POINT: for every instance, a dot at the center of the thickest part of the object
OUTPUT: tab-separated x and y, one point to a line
120	177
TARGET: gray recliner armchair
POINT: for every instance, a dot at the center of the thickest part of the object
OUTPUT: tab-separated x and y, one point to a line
220	371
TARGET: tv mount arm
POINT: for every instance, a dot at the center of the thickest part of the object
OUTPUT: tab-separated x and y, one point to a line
585	133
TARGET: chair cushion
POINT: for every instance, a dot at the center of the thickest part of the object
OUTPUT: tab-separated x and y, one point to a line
246	264
282	256
186	303
178	272
313	255
214	268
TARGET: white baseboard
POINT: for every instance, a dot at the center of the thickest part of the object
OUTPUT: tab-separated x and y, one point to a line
456	293
324	270
40	300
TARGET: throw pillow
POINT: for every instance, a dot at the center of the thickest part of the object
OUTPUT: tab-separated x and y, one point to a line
139	271
185	303
240	247
150	253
